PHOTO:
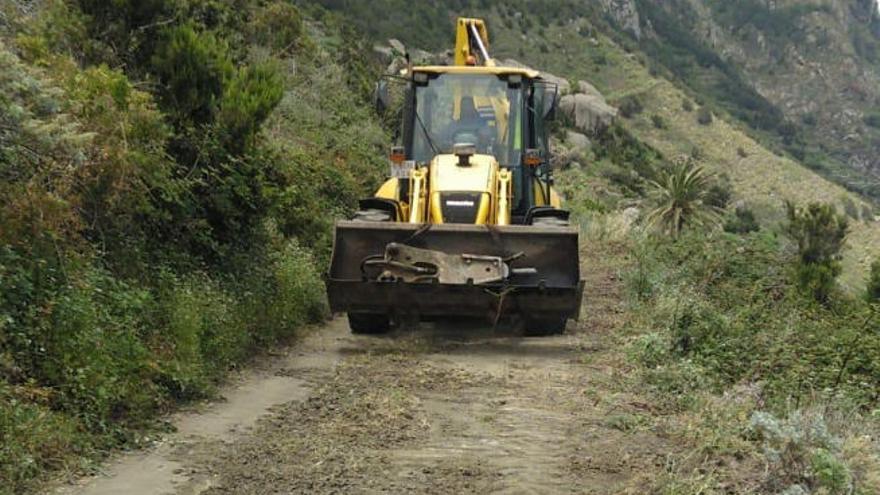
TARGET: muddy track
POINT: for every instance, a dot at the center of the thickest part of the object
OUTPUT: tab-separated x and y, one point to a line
444	408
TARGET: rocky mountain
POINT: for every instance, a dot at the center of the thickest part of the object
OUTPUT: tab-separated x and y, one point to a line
817	65
802	76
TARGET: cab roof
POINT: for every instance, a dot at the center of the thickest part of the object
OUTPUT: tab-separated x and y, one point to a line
466	69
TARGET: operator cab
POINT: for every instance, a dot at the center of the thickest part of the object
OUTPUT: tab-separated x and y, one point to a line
503	112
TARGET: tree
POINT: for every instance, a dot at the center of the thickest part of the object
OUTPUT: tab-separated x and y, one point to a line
248	100
680	195
193	68
819	233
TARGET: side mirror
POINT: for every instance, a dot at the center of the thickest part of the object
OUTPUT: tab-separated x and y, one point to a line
380	97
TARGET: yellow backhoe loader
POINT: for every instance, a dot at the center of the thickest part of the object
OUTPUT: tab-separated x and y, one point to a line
468	223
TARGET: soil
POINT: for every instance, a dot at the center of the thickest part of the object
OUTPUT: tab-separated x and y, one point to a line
453	407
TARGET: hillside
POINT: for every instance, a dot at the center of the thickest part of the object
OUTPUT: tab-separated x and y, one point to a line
608	44
791	70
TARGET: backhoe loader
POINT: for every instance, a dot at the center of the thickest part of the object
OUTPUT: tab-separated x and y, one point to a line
468	223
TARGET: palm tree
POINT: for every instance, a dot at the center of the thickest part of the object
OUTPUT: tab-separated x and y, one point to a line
679	194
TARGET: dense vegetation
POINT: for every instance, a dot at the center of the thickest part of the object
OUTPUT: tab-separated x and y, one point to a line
752	352
168	174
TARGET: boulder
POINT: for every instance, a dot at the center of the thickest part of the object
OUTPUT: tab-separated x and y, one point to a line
588	89
397	46
629	217
383	53
562	84
421	57
590	114
509	62
577	142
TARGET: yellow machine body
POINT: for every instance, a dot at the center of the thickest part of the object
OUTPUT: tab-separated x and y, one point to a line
468	224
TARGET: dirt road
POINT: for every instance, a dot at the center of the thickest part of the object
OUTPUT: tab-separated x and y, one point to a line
451	408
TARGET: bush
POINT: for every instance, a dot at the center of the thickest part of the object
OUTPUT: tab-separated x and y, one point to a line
819	233
279	26
138	255
872	120
873	291
630	106
743	221
680	194
248	99
704	116
658	121
35	438
803	452
687	105
726	303
719	193
193	68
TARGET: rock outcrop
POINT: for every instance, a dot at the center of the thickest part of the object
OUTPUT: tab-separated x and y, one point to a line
625	15
588	113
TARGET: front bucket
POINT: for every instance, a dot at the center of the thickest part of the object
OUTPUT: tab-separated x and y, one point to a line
551	291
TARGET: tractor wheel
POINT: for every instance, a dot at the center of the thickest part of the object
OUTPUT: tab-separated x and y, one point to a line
550	222
372	215
368	323
544	327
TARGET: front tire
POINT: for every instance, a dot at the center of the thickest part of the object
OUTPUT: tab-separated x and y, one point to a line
368	323
544	327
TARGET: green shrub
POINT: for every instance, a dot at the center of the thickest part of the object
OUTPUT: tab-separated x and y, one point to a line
680	195
248	99
719	193
726	304
635	160
125	27
872	120
35	439
139	260
630	106
659	122
819	233
193	68
196	334
803	453
80	336
743	221
704	116
687	105
278	25
873	290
